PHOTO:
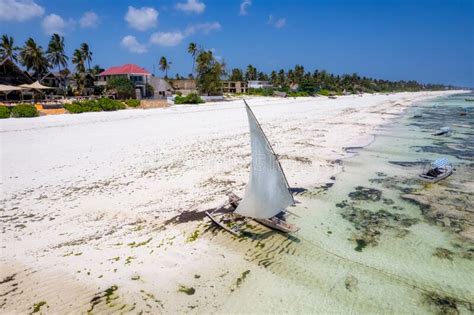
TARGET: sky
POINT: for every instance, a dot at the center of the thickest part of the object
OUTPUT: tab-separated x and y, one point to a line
428	41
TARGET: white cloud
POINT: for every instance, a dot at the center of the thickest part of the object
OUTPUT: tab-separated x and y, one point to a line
167	38
244	6
142	18
280	23
191	6
175	38
19	10
131	43
204	28
89	19
277	23
53	23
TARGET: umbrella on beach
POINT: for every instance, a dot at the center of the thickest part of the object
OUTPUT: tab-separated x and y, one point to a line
36	85
9	88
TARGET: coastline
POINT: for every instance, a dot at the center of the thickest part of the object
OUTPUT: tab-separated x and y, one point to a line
83	209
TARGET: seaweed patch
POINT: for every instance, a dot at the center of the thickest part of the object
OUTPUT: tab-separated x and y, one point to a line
364	193
369	225
187	290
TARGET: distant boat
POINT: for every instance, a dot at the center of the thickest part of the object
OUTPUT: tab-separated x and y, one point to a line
267	193
469	99
436	171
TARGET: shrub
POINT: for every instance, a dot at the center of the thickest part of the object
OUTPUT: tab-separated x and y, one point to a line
132	103
324	92
191	98
74	108
4	112
297	94
123	86
102	104
260	92
24	110
108	104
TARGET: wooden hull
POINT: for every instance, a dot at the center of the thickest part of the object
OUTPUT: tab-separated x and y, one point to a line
216	220
430	179
279	225
223	219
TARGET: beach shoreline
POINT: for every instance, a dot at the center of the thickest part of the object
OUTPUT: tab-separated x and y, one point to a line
86	196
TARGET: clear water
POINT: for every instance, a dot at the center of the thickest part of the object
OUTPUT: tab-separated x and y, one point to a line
354	255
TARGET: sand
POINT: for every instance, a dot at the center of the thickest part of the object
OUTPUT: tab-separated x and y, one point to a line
91	203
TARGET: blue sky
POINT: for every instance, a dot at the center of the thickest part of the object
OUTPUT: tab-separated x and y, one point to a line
429	41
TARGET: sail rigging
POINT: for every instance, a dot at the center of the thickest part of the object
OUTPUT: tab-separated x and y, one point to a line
267	192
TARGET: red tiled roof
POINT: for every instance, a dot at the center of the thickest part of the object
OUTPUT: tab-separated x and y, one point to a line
125	69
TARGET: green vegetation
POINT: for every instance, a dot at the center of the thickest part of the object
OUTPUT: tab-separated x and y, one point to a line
194	236
361	243
134	244
24	110
164	65
4	112
260	92
108	294
324	92
122	86
187	290
209	72
324	83
129	259
102	104
37	306
242	277
191	98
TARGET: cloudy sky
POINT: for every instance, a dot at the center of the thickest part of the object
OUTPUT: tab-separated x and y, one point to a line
429	41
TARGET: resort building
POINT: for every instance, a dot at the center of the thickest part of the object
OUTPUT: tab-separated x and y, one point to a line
139	77
234	87
11	74
161	87
184	86
257	84
54	80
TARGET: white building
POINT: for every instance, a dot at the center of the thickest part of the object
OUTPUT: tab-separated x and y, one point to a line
256	84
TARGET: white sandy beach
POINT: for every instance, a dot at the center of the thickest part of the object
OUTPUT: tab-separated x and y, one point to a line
86	198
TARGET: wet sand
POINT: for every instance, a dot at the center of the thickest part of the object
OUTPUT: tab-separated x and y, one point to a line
103	211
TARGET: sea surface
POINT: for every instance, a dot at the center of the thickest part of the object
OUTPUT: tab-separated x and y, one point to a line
378	240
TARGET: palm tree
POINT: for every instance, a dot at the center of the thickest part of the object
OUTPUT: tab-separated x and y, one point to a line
193	50
164	66
79	76
55	54
78	61
96	70
7	48
86	55
33	58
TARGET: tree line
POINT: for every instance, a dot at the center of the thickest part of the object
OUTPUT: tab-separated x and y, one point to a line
40	61
209	72
311	82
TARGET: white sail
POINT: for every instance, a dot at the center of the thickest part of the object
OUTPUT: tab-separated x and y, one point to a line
267	192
